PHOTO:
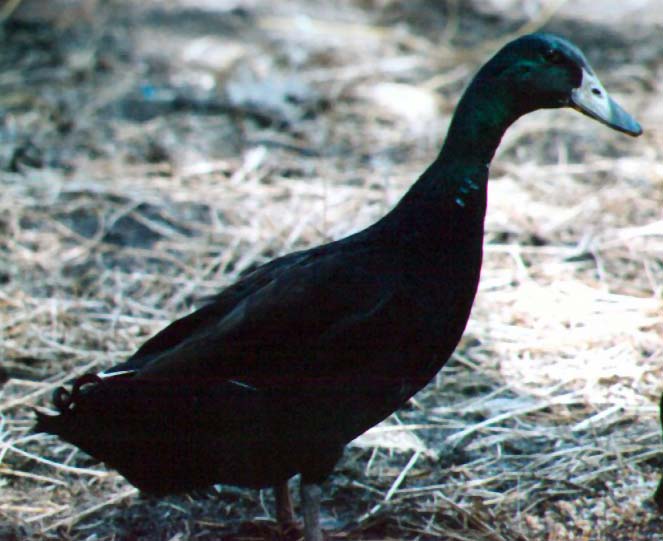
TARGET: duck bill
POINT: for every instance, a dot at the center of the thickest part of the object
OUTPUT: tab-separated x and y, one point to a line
591	99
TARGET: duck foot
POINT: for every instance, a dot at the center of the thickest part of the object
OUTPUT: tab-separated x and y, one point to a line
284	513
310	496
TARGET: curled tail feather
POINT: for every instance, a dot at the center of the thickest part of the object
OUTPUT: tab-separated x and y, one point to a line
65	402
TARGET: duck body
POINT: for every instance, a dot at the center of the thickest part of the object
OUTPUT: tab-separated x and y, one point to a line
278	372
278	379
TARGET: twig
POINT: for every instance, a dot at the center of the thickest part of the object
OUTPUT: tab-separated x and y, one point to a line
56	465
18	473
394	487
70	521
26	399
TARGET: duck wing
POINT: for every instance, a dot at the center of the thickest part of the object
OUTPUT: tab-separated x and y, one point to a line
217	306
280	324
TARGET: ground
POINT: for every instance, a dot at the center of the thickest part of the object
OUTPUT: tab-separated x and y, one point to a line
151	152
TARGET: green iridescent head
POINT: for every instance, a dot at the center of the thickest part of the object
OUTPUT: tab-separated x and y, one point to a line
542	71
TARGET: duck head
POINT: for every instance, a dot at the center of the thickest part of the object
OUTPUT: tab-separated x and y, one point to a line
543	71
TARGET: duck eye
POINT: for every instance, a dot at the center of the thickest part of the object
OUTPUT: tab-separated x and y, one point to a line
553	56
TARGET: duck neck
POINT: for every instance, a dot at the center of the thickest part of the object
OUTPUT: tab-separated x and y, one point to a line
481	118
450	197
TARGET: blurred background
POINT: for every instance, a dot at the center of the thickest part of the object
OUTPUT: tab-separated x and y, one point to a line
151	152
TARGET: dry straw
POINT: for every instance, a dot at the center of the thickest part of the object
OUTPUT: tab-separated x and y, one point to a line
543	426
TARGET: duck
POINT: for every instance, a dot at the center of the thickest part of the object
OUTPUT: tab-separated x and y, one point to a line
277	373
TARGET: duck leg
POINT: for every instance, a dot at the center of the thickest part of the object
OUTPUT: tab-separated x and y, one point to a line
310	497
284	514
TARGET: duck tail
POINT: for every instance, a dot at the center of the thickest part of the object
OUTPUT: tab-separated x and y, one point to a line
68	404
48	424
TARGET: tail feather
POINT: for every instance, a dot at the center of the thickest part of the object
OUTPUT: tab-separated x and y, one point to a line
65	402
46	423
137	430
169	436
89	418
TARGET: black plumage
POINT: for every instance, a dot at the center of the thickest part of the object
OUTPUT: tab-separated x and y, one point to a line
278	372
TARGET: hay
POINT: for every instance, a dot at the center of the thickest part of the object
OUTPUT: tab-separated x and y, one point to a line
120	209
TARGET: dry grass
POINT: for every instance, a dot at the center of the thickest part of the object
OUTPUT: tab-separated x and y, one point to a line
119	210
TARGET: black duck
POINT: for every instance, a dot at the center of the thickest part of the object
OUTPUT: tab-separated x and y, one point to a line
278	372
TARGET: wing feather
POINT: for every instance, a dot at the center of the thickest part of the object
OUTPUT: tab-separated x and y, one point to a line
268	329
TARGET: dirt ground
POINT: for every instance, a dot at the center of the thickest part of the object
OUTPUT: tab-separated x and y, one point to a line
151	152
